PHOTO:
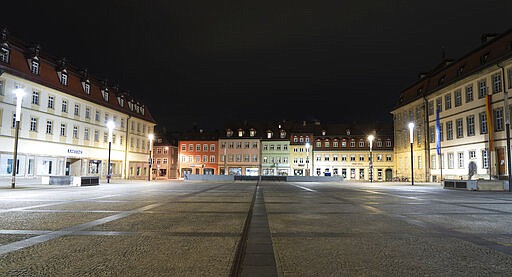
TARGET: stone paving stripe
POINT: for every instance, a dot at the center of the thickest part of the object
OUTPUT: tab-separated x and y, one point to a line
17	245
304	188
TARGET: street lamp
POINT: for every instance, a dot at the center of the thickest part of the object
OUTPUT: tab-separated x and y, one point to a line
150	161
370	139
19	97
411	137
307	158
110	125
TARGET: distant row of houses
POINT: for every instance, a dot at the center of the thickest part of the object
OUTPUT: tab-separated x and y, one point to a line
290	148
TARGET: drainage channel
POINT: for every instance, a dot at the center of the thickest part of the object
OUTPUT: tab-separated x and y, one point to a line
255	254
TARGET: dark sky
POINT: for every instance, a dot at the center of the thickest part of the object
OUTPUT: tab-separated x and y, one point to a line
209	62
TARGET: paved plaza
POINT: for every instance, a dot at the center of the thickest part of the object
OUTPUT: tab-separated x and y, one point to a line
179	228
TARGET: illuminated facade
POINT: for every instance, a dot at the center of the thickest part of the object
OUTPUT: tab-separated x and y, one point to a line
348	154
240	152
470	137
301	158
198	157
63	117
275	153
165	161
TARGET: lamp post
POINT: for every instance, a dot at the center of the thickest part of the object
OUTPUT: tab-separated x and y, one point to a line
370	140
110	125
411	137
19	97
307	158
150	160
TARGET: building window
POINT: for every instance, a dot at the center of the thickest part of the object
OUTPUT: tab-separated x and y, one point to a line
432	132
49	127
469	93
352	144
35	67
33	124
483	123
77	109
86	133
97	137
35	97
485	159
87	88
470	122
326	157
62	130
64	78
496	83
97	116
238	144
212	147
64	106
87	113
430	108
498	122
104	94
449	130
433	162
439	105
460	132
458	98
509	77
482	89
361	143
472	154
460	158
448	101
75	132
450	160
51	102
4	55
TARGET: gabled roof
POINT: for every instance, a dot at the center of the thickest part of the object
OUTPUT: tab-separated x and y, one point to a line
447	72
49	68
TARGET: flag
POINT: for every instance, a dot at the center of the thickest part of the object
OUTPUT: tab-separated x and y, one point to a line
438	133
488	114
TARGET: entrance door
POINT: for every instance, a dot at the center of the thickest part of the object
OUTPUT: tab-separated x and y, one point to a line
67	168
501	160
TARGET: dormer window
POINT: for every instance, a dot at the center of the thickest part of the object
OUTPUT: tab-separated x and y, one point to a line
34	67
282	134
87	87
142	110
104	94
137	108
323	132
252	132
240	132
64	78
229	133
269	134
130	105
120	100
4	54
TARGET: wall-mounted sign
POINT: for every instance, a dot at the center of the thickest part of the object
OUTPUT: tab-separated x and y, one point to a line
75	151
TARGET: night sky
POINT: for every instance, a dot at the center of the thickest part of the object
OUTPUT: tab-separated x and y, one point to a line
208	62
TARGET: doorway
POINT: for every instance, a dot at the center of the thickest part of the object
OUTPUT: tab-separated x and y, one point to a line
501	160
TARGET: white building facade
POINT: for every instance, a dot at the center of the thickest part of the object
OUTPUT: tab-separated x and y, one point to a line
63	119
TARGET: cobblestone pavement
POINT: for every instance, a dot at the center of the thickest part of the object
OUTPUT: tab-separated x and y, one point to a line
263	229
